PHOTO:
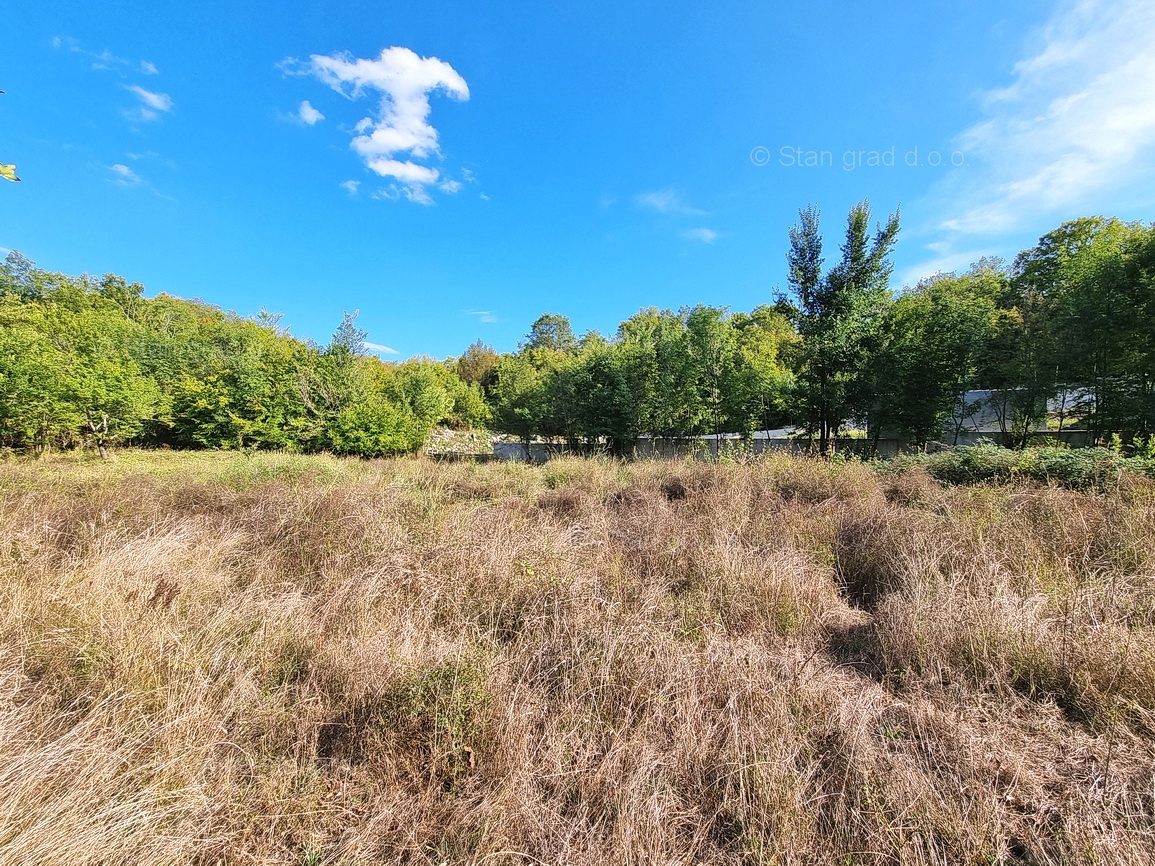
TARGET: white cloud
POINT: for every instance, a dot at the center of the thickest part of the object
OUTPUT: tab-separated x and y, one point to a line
485	316
706	236
159	101
377	347
415	193
1071	134
308	114
153	104
105	59
351	186
124	175
1077	120
666	201
397	138
450	186
408	173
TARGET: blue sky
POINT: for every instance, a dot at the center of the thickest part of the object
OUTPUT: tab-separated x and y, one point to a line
452	170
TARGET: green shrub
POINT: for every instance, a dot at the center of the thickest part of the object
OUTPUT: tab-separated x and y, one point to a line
971	465
1078	468
376	430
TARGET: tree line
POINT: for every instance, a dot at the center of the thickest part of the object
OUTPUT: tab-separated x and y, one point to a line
1069	322
87	361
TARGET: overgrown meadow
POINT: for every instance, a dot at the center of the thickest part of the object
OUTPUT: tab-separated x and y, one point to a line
269	659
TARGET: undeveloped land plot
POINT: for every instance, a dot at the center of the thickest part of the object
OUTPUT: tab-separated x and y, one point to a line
257	660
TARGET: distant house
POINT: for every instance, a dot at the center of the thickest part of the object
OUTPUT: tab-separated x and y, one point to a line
994	414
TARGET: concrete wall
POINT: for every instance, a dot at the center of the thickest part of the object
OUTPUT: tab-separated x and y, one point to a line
516	451
705	448
1072	438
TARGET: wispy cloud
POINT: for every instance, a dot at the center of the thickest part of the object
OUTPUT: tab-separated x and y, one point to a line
666	201
351	186
123	175
104	59
157	101
377	347
706	236
416	193
309	115
397	140
1077	119
152	105
151	156
1075	122
485	316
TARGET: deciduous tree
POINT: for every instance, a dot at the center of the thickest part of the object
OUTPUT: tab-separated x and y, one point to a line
841	317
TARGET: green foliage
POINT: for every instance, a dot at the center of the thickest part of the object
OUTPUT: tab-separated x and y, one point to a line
87	361
477	366
348	338
603	404
661	371
713	349
761	380
1082	468
841	318
375	430
237	387
519	401
1087	280
965	465
392	408
67	368
552	332
91	361
664	373
938	334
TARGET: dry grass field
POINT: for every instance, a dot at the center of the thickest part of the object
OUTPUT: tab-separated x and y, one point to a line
230	659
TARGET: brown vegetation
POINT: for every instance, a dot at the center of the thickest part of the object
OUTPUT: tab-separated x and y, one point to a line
226	659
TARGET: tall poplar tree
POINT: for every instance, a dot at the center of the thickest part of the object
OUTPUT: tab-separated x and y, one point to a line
841	317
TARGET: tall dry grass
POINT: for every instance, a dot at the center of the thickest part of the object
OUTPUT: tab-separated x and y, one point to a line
257	660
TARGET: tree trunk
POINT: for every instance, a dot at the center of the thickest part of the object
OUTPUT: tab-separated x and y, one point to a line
97	433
